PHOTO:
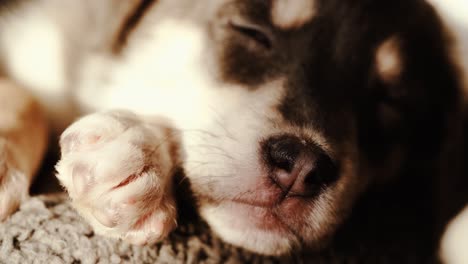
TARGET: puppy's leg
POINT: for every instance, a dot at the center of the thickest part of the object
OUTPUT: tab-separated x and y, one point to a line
23	138
117	168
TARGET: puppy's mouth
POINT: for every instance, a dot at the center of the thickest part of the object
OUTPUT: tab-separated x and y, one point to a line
275	217
266	220
263	217
264	227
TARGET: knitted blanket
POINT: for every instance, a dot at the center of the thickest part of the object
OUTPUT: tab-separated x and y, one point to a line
46	229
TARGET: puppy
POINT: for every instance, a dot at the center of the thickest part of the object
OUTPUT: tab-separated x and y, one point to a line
281	113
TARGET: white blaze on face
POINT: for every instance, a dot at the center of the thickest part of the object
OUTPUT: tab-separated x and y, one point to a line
290	14
168	72
388	60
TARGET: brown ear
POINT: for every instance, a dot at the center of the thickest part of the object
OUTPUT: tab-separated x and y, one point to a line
414	87
387	84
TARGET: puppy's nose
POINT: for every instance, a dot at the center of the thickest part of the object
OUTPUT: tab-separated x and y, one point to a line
297	167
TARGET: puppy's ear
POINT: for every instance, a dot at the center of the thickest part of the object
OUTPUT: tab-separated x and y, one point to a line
382	112
387	73
414	90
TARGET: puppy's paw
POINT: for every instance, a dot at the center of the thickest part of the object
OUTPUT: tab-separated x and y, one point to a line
13	183
117	169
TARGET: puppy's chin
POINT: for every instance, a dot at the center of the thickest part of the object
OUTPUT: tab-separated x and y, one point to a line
250	227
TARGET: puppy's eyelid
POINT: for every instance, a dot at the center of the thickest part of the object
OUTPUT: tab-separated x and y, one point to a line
259	34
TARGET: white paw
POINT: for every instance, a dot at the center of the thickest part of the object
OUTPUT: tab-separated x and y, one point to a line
117	169
14	184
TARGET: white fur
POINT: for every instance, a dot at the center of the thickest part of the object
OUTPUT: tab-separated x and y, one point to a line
454	15
455	240
38	42
39	29
49	35
289	14
263	241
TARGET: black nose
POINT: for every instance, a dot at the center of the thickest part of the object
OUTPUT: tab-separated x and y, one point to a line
298	167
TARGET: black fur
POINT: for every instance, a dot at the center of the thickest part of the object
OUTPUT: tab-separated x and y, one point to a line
333	87
332	81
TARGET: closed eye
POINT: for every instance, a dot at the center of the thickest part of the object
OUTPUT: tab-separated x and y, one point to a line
253	33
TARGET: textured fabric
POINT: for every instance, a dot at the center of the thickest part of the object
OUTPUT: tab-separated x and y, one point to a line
47	230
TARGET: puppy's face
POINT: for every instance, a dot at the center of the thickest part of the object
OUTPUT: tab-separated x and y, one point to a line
289	108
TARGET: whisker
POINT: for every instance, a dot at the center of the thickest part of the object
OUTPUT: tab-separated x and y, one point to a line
218	119
198	132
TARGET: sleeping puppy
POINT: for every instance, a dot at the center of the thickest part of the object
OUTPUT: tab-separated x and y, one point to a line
281	113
